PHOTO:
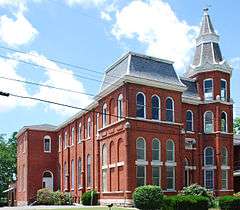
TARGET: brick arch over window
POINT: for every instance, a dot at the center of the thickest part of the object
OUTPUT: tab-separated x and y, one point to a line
120	149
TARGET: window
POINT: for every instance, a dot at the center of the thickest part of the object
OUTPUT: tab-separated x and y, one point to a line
209	171
59	143
65	175
155	108
65	140
141	105
155	150
104	115
189	121
73	136
224	122
89	170
208	122
97	124
224	179
47	144
72	174
169	110
208	89
104	168
224	155
170	151
79	173
170	177
186	173
141	149
80	133
208	156
89	128
141	174
156	175
223	90
120	107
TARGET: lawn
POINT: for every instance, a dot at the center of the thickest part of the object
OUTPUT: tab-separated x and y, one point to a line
92	208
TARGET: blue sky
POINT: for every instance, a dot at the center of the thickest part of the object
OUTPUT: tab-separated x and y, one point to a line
93	34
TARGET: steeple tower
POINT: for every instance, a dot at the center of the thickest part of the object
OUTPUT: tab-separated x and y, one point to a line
208	55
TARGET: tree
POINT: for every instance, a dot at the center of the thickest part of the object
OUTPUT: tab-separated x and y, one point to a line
236	125
8	162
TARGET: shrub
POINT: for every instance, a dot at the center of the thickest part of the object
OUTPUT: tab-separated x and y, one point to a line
229	202
89	198
196	189
45	197
148	197
186	202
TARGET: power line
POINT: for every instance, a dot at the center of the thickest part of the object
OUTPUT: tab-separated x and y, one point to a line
47	86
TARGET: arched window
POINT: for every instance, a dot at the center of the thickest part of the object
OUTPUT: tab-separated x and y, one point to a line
224	122
80	133
89	128
224	154
208	89
156	150
208	122
59	143
89	181
47	180
120	106
170	151
141	105
189	121
104	115
47	143
73	136
97	124
209	171
208	156
186	173
72	175
223	90
65	175
155	108
79	173
104	168
141	153
170	110
65	140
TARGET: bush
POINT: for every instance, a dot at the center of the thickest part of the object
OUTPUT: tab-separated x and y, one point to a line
229	202
196	189
89	198
148	197
47	197
186	202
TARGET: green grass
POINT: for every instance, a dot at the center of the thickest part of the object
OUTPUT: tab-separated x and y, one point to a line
91	208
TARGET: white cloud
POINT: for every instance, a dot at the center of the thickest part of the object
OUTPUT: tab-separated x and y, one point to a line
62	78
105	16
16	32
86	3
154	24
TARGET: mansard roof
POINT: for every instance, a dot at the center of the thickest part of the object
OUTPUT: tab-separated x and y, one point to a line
191	90
140	66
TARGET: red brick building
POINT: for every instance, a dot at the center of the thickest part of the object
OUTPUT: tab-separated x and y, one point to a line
146	126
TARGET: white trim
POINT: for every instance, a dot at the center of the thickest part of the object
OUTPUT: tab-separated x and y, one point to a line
159	149
141	163
226	86
173	150
204	122
173	108
190	167
120	163
213	153
159	107
105	167
213	167
65	140
80	133
192	129
208	79
154	121
169	163
214	61
144	105
113	165
50	144
226	122
72	136
89	127
104	115
156	163
144	143
120	100
225	167
59	143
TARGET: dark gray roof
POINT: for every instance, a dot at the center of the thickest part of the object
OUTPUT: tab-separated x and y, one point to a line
191	87
142	66
207	27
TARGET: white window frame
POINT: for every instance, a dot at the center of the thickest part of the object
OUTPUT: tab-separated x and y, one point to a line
97	124
173	109
159	170
205	178
79	171
80	133
173	151
104	168
224	164
50	144
145	175
174	178
72	136
144	143
104	115
226	122
222	98
144	105
65	175
192	128
89	128
72	175
205	113
59	143
89	177
206	98
120	107
159	150
65	140
213	154
159	107
226	179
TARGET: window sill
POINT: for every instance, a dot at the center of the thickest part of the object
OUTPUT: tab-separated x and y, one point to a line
190	132
47	151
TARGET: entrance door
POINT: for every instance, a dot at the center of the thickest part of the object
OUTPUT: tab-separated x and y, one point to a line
47	181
